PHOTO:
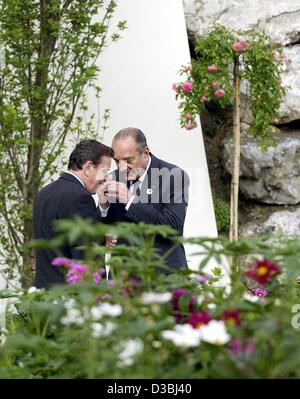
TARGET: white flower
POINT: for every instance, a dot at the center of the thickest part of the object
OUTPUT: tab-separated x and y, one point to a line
152	297
105	309
73	316
32	290
251	298
211	306
200	299
96	313
130	349
214	333
183	335
100	330
70	303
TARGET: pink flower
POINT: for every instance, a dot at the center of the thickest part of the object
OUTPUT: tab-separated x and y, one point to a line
73	277
61	262
202	278
190	126
263	271
203	99
216	85
260	292
236	347
241	45
97	275
220	93
187	87
81	269
175	88
198	319
188	117
212	69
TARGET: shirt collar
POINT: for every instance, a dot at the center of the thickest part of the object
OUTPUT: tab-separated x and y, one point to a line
141	178
78	178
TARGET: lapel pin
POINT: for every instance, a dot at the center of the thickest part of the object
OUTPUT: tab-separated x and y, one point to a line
149	191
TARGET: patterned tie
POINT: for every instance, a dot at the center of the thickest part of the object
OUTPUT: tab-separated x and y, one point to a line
136	187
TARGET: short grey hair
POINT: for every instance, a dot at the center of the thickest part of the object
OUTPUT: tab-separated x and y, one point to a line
137	135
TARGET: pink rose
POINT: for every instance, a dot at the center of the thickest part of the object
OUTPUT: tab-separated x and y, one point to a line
203	99
188	117
212	68
241	45
187	87
220	93
216	85
190	126
175	88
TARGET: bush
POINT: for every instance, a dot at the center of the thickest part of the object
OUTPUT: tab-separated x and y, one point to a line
145	324
222	213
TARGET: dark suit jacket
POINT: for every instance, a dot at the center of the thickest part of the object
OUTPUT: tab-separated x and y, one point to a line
61	199
162	201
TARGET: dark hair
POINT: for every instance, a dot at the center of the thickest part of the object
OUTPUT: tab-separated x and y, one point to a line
136	134
88	150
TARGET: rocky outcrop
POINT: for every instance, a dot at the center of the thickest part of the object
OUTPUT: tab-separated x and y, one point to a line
271	177
285	222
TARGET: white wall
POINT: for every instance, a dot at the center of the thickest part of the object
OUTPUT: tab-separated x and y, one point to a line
137	74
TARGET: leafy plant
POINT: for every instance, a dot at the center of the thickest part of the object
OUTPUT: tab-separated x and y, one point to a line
222	213
49	50
145	324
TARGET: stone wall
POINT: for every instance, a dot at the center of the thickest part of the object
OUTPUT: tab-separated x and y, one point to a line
272	177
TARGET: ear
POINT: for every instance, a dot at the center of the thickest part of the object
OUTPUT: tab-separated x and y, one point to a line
87	168
146	151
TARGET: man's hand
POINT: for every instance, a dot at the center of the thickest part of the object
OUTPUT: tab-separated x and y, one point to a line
118	191
111	240
102	195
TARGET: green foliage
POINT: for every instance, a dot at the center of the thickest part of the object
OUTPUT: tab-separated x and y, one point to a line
111	330
222	213
49	50
260	62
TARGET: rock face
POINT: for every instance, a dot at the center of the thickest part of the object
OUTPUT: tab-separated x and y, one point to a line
290	107
271	177
280	19
285	222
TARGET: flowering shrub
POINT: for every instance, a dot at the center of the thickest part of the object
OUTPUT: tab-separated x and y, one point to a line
146	324
210	78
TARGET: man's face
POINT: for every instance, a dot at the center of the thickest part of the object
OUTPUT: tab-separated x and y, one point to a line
97	174
131	163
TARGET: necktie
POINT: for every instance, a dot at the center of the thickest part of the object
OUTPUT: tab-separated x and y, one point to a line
134	187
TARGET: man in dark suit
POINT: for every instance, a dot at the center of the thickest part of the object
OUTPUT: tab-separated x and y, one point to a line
146	189
65	198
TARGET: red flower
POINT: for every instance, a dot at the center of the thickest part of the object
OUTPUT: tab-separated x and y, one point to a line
232	317
177	296
197	319
262	271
